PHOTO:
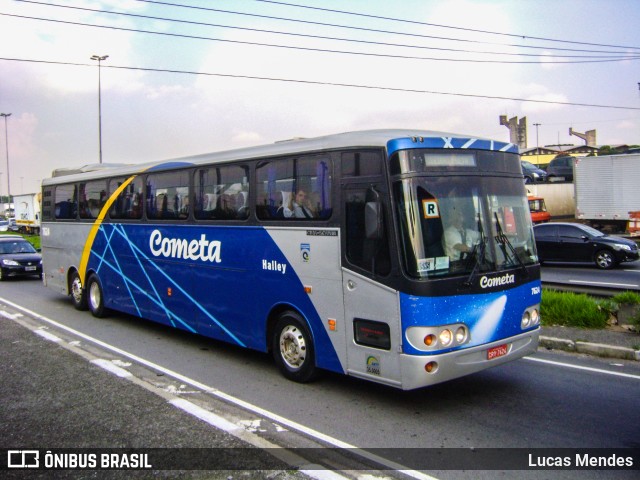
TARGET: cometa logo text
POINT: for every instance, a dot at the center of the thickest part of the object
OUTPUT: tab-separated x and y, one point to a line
202	249
486	282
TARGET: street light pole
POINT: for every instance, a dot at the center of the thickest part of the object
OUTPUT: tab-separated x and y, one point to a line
6	136
100	59
537	143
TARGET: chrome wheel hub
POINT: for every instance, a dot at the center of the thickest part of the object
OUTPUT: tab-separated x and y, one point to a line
293	347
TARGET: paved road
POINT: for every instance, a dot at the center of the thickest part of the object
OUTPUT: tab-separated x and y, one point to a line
624	277
549	400
53	398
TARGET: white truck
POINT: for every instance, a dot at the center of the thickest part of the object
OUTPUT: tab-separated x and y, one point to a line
607	189
27	212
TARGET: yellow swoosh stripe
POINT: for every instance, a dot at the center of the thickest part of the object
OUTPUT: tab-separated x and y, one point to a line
84	260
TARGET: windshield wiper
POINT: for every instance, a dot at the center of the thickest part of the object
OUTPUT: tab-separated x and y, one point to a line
478	254
504	242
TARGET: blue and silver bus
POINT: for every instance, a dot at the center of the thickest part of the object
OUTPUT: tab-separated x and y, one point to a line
401	257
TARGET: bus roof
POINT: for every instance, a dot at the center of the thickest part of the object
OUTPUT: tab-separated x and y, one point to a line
385	138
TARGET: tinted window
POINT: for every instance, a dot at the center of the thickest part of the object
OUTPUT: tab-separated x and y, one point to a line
544	231
565	231
47	203
222	193
371	255
297	188
66	202
361	164
128	204
93	196
168	195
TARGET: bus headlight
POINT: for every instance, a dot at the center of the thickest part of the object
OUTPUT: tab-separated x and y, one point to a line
461	335
530	317
446	337
429	339
535	317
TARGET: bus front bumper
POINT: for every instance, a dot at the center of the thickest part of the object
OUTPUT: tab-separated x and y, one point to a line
466	361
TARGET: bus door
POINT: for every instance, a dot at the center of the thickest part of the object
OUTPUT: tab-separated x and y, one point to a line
372	317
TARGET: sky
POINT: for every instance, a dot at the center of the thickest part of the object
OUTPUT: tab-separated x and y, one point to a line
226	74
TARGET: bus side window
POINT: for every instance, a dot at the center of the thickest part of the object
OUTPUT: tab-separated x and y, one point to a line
370	254
47	203
66	202
128	203
294	189
221	193
93	196
164	191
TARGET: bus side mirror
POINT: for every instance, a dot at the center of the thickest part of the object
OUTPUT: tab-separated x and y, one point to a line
373	221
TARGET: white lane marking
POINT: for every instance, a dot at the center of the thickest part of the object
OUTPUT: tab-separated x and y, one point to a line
236	401
9	315
579	367
205	415
49	336
315	471
111	368
586	282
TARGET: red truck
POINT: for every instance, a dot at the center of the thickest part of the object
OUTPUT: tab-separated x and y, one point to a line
538	210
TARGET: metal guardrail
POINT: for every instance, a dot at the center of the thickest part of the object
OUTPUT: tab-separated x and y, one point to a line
595	290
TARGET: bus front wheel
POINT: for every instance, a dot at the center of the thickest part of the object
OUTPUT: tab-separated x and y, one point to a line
78	295
293	348
95	297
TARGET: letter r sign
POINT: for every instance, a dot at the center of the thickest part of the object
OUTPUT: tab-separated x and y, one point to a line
430	209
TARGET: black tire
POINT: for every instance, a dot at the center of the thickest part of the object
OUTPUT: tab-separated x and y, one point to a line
605	259
293	349
3	277
77	292
95	297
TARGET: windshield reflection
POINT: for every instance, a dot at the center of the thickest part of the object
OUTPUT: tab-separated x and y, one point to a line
462	225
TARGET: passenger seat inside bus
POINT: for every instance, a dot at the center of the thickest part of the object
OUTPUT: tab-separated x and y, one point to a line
286	196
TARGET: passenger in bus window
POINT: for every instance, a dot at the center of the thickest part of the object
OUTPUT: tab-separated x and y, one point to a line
225	209
458	239
298	206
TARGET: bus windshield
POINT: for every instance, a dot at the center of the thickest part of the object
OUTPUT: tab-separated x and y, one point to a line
454	225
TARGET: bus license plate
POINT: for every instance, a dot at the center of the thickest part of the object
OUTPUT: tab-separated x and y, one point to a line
499	351
29	269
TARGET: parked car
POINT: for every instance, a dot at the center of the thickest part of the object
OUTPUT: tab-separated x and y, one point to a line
13	226
538	210
561	168
18	257
574	242
4	225
532	174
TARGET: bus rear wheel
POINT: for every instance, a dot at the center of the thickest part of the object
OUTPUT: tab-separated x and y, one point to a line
95	297
293	349
78	294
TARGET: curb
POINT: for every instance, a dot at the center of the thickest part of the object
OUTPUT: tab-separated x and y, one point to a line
596	349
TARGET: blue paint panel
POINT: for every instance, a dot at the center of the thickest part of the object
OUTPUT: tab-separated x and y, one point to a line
489	316
168	166
449	142
227	299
